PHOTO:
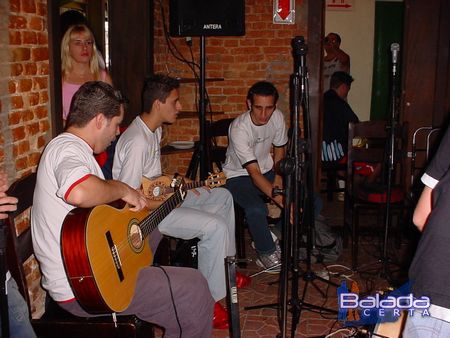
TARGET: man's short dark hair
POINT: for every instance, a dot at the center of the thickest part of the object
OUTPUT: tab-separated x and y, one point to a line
262	88
91	99
338	37
339	78
157	87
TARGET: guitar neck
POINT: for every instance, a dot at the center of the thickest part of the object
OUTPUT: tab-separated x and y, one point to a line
149	223
196	184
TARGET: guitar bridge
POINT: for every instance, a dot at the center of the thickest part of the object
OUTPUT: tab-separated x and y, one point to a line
115	256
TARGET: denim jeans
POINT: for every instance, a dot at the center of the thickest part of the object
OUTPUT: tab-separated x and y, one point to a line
19	320
251	199
420	327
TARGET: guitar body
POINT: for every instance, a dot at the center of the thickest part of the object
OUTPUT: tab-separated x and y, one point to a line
157	189
103	251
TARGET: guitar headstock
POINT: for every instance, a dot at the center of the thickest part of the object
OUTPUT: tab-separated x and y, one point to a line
178	184
215	180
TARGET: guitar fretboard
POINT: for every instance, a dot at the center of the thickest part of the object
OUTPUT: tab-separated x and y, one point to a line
149	223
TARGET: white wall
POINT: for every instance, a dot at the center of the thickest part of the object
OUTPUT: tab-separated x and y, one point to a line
356	28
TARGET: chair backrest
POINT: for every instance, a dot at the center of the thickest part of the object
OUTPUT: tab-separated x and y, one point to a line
375	147
217	152
55	322
20	247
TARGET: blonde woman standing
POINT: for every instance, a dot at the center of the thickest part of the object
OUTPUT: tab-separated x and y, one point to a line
79	63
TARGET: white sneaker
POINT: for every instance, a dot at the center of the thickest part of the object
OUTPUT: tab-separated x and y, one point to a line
270	262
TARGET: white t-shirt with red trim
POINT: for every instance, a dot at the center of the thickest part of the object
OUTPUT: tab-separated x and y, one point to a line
249	142
66	161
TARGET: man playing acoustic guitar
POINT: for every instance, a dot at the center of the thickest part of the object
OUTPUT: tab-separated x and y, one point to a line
205	214
68	176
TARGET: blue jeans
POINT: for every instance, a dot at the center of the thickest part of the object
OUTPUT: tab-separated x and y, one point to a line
419	327
19	320
251	199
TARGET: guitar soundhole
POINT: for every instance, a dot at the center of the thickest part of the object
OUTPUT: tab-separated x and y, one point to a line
157	191
135	237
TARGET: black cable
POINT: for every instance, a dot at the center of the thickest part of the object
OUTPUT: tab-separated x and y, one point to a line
173	300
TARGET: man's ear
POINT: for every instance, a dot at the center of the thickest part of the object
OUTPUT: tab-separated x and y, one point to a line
156	105
99	119
249	104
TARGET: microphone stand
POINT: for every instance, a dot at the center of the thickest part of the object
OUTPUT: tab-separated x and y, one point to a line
385	260
385	273
299	199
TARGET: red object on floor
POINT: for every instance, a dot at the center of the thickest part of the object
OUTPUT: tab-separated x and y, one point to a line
242	280
220	319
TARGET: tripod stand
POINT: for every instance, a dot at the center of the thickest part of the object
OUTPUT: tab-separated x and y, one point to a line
298	200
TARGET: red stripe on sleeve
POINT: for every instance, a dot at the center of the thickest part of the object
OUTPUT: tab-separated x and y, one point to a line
84	178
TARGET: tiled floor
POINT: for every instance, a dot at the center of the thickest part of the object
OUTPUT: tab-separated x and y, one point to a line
263	322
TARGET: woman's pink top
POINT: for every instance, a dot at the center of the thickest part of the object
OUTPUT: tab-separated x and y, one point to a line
69	89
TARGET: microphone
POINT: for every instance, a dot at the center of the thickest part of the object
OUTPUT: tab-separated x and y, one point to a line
395	49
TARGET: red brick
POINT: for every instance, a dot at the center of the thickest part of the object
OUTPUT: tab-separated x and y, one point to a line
21	148
20	54
28	6
33	99
17	22
29	38
25	85
41	142
15	38
42	9
12	86
34	159
39	54
14	117
40	82
42	38
36	23
33	129
14	6
30	69
27	115
44	68
43	97
18	133
21	163
44	126
16	102
41	112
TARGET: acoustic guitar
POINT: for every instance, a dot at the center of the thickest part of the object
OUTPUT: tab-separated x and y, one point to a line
159	188
104	248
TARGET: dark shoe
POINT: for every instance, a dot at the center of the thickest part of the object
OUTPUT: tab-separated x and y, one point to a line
220	319
242	280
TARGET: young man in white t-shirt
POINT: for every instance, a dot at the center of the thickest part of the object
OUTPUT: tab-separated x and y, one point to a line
249	165
68	176
204	214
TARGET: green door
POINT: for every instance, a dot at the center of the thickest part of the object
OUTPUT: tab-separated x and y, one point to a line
388	29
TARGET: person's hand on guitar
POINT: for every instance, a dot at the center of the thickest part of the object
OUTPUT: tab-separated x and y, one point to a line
135	199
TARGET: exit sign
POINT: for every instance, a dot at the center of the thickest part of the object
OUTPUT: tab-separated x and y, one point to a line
340	5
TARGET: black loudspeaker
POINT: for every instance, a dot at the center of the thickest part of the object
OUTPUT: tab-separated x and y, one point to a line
207	17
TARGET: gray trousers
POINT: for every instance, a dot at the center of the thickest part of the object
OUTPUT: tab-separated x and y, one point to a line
152	301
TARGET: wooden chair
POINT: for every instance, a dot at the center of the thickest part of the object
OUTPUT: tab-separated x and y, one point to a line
55	322
216	154
371	198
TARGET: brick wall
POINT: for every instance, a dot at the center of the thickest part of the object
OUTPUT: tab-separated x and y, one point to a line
264	53
24	100
24	78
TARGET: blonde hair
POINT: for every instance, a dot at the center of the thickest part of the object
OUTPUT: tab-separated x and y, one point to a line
66	58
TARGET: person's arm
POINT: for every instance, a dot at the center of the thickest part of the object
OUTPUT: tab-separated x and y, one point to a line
7	203
263	183
278	154
94	191
423	208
